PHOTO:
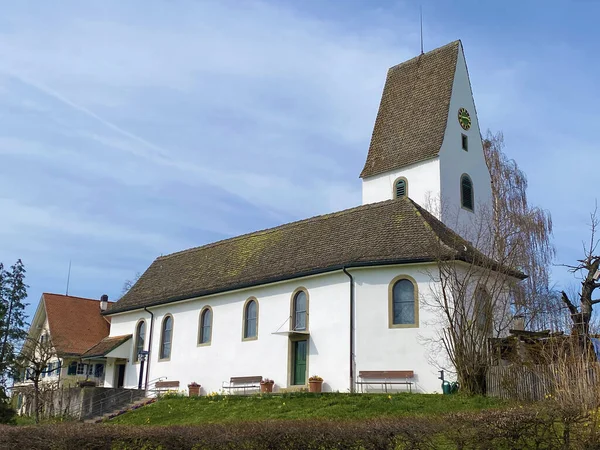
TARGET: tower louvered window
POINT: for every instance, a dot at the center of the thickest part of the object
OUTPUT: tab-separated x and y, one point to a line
466	192
400	188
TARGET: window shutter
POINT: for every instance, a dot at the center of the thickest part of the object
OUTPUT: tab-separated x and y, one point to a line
400	188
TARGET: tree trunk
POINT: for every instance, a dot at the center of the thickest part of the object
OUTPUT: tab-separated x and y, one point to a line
36	399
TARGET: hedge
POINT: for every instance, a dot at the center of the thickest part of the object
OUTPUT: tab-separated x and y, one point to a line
499	429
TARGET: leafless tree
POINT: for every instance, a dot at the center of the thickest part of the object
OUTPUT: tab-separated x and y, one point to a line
477	298
33	361
128	284
471	300
588	270
524	232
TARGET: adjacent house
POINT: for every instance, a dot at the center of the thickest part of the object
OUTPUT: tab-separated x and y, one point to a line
69	327
338	295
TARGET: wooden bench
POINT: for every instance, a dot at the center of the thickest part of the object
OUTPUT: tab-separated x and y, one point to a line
385	378
161	387
243	383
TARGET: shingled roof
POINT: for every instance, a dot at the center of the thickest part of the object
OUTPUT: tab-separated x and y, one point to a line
106	345
76	323
413	112
393	231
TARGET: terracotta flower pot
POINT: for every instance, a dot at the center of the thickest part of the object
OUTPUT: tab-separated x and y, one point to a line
194	390
266	387
315	386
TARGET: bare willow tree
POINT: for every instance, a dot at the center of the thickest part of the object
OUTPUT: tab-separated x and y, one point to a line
477	298
471	299
588	270
524	232
33	361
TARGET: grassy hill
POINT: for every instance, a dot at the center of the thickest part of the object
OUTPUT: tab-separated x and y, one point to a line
174	410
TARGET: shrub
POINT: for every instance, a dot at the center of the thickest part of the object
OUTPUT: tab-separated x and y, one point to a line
7	413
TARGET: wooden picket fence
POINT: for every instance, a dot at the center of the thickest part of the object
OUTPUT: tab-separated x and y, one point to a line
529	383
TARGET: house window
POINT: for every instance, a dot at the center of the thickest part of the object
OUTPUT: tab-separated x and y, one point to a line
99	370
81	368
140	336
251	319
465	142
299	313
44	370
72	368
166	337
403	304
466	192
205	333
400	188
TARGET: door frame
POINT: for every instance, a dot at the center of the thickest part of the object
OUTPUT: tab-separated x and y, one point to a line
117	373
291	359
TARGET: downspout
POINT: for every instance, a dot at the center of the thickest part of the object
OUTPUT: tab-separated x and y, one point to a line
351	329
149	346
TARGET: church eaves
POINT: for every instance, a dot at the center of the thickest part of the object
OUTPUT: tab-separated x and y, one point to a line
413	112
391	232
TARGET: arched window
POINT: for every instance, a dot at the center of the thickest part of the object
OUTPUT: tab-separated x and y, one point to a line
299	312
466	192
140	336
205	333
400	188
251	319
166	337
404	307
483	311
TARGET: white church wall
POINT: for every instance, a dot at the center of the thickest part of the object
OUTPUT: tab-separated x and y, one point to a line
268	356
379	347
423	183
454	161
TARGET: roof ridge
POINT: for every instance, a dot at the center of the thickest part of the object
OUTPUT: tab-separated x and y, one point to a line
283	225
430	52
74	296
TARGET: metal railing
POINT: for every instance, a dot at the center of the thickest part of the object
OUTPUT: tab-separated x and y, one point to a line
112	402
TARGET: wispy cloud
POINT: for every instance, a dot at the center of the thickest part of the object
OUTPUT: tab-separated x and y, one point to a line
132	129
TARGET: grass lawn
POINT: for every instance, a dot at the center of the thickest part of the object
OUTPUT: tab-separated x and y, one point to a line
196	410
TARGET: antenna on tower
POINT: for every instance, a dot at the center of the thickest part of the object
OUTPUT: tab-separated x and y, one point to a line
68	277
421	15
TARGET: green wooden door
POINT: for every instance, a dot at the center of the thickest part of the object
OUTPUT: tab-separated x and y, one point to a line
300	362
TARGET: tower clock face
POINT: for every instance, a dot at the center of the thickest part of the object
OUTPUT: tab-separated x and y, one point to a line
464	118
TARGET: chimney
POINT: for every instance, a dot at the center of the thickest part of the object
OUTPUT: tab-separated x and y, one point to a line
518	323
103	302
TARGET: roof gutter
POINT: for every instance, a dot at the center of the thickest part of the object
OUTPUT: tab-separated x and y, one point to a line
352	357
149	347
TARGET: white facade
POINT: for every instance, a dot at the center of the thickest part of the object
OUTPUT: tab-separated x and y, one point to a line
423	181
377	346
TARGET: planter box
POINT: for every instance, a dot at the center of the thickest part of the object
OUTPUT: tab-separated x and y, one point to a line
315	386
266	387
194	390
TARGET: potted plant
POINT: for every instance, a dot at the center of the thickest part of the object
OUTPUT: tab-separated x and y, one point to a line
266	385
194	389
315	383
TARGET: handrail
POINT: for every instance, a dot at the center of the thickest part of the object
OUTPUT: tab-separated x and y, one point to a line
76	412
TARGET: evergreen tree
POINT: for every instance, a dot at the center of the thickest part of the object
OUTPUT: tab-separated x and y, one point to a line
13	292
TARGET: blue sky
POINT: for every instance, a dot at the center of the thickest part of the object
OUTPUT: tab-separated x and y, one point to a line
135	129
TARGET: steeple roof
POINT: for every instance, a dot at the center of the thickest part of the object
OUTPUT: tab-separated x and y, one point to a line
413	112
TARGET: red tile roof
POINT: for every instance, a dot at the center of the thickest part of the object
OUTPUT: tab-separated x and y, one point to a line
75	323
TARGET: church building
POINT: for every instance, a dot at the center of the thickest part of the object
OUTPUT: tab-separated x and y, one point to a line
337	295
